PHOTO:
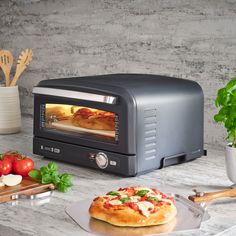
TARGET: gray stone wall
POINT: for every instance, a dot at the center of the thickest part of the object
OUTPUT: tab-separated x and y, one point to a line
192	39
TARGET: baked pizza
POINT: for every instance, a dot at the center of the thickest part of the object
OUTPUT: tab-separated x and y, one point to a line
134	207
94	119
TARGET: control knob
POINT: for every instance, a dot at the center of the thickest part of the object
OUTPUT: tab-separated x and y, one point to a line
101	160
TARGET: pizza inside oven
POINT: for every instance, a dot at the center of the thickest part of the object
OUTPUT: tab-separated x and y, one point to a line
94	119
134	207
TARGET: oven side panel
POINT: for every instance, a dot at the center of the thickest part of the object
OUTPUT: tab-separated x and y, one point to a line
169	126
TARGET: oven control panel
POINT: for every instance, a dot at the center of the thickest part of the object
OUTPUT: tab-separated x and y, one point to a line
85	156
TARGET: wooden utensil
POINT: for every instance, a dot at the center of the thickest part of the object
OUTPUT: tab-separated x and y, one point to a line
26	188
23	61
6	61
200	197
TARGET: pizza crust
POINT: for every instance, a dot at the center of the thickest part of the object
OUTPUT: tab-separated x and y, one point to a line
101	227
122	215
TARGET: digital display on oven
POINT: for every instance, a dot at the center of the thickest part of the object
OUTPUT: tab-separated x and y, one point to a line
81	121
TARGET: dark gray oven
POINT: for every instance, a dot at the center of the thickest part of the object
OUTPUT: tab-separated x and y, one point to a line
121	123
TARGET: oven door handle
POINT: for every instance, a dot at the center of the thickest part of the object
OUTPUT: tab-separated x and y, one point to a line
75	94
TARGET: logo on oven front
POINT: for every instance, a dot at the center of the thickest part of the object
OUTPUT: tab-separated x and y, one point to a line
50	149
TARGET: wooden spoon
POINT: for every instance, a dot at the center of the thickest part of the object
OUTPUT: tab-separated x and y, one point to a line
6	61
23	61
206	197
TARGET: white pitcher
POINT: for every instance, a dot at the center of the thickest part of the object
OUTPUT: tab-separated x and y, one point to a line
10	114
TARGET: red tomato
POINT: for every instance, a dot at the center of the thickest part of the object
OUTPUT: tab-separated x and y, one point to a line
133	206
5	165
155	190
130	192
107	205
23	165
123	189
12	155
163	195
160	203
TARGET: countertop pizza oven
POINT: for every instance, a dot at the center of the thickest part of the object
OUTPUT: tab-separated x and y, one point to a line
127	124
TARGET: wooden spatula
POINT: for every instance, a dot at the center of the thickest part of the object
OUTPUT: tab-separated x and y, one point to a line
23	61
206	197
6	61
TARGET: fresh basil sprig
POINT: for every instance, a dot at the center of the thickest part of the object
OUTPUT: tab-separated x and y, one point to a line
49	174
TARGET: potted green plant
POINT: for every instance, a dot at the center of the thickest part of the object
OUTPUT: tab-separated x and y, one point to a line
226	102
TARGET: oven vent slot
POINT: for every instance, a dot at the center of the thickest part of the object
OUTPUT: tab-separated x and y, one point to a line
150	134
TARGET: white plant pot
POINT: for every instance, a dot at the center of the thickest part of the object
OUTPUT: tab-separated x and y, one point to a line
10	114
231	163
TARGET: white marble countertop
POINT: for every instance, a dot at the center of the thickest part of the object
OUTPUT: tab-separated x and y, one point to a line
23	218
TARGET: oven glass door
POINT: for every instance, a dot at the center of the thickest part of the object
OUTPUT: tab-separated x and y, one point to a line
80	121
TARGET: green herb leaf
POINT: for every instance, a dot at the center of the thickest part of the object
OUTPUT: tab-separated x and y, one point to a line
46	179
35	174
62	188
52	166
141	193
219	117
65	182
153	199
44	170
113	193
231	85
55	178
125	199
67	178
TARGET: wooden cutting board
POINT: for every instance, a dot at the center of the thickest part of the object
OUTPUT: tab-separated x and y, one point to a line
27	187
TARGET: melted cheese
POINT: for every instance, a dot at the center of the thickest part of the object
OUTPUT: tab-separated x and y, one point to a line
154	195
108	196
122	192
145	207
115	202
135	198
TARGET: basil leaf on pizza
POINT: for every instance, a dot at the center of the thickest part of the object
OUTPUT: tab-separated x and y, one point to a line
141	193
125	199
113	193
153	199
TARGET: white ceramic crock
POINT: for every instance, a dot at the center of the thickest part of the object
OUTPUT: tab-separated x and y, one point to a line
10	115
231	163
